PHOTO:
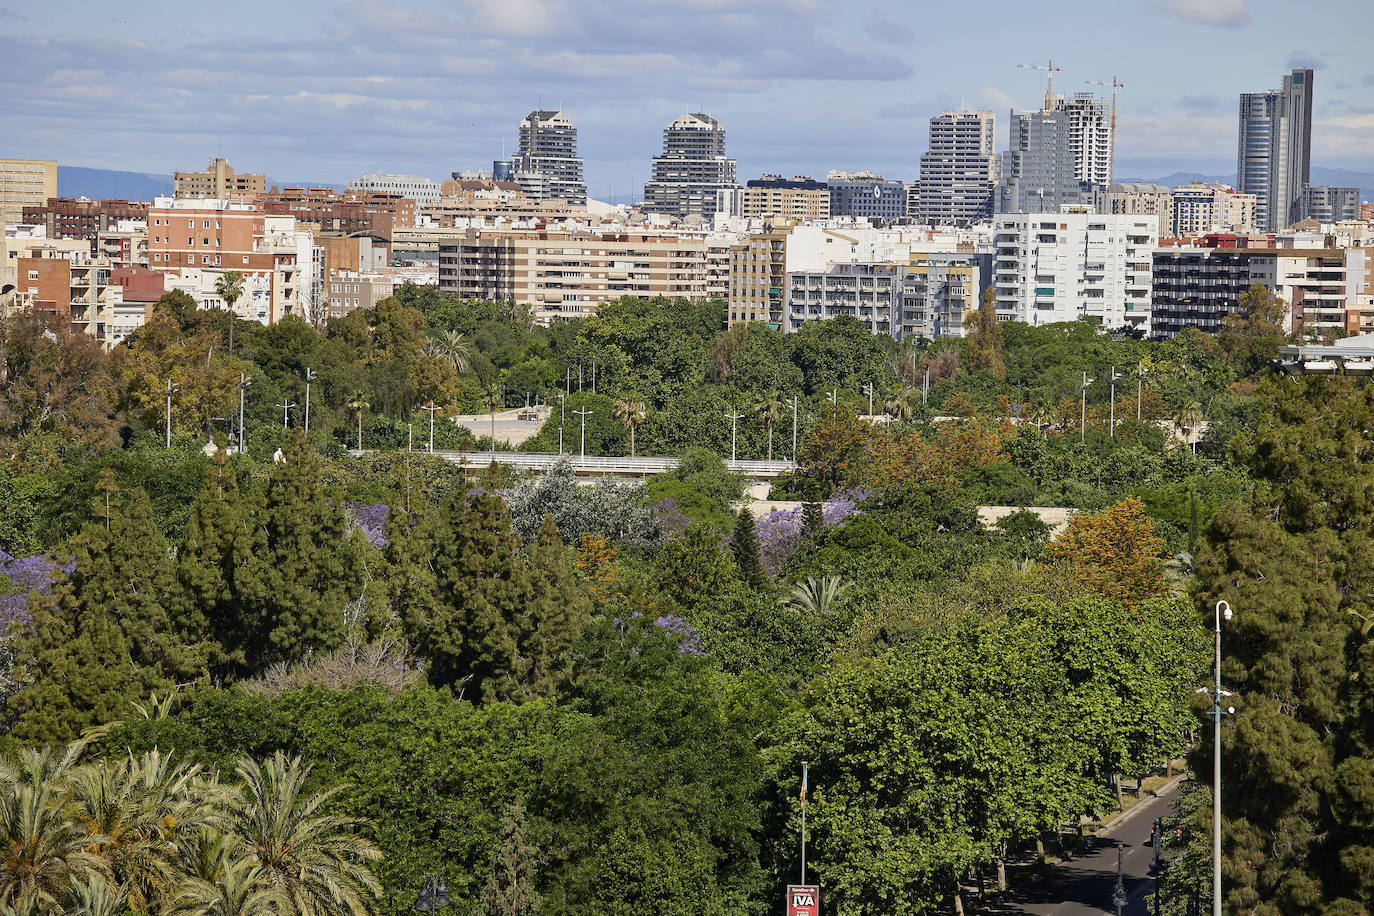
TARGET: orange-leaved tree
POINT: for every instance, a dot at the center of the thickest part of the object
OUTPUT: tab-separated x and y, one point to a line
1115	552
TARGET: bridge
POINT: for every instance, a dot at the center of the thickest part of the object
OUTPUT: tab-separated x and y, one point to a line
599	466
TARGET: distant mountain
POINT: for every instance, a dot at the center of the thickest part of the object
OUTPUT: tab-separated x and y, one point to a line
1321	175
101	184
110	184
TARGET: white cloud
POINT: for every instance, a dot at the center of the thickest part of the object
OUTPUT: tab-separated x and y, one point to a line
513	17
1226	14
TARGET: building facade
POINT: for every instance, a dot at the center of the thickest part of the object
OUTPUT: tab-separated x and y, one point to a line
785	199
959	171
377	213
217	182
348	290
692	169
864	195
415	187
547	164
1054	267
940	289
1330	205
1199	208
1058	156
872	293
564	275
24	183
69	218
1142	199
1274	149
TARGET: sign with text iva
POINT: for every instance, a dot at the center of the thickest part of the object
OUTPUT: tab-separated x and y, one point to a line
803	900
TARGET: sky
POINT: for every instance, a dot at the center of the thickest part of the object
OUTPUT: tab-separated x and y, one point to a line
316	90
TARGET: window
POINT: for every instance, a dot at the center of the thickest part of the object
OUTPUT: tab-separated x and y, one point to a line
33	275
205	224
205	241
245	259
190	224
205	259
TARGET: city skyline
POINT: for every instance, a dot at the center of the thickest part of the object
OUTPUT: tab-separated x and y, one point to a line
331	91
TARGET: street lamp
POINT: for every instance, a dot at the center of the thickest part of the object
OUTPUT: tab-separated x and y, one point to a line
793	402
244	382
433	893
1139	384
1111	430
584	412
562	415
310	376
733	418
431	408
1119	893
285	412
171	390
869	388
1222	611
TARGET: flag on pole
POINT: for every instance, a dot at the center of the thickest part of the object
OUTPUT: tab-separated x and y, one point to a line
803	784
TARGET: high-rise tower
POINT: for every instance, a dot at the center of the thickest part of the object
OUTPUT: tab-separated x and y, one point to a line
547	164
1274	149
691	170
1059	155
959	172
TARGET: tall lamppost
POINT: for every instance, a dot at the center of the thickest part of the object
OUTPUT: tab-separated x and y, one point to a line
431	408
925	387
734	418
834	397
562	415
1221	612
869	388
793	403
171	390
285	406
310	376
1083	412
1119	899
244	382
433	894
584	413
1111	429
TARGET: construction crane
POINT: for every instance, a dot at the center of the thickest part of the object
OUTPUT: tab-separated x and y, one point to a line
1050	70
1115	84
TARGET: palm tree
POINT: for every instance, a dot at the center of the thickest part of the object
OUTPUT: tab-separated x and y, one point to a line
223	881
816	596
133	810
229	287
316	862
770	409
96	896
451	347
898	404
1190	418
43	855
359	403
629	411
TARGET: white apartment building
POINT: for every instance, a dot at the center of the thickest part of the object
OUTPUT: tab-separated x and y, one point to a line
872	293
416	187
1054	267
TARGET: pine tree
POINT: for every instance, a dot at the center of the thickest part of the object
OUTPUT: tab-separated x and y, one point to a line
297	585
548	622
986	348
813	520
744	544
510	889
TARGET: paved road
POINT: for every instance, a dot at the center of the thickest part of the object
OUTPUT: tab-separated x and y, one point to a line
1083	885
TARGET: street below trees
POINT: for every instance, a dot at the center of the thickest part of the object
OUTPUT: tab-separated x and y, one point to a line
1083	884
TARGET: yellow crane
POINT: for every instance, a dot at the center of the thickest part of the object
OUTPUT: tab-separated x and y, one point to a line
1050	70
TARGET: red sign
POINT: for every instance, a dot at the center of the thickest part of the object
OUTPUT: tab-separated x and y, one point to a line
803	900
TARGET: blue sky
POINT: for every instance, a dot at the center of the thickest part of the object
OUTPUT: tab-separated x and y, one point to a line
320	90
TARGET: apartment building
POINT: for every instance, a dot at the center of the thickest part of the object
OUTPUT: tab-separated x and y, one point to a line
872	293
940	289
24	183
79	218
197	241
785	200
959	169
376	213
217	182
568	274
547	164
1329	205
72	288
692	169
1274	149
1058	156
1199	286
1142	199
1063	266
348	290
412	187
864	195
1201	207
477	202
125	243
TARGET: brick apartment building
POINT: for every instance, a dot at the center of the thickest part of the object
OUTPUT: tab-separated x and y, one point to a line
79	218
371	212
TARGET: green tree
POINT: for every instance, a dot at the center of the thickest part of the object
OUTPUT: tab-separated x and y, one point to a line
769	408
986	348
744	544
630	411
229	287
510	889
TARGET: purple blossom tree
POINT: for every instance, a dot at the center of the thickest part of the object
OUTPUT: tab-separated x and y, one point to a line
371	519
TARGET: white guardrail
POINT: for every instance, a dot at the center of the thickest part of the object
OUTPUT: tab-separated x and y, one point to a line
594	464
